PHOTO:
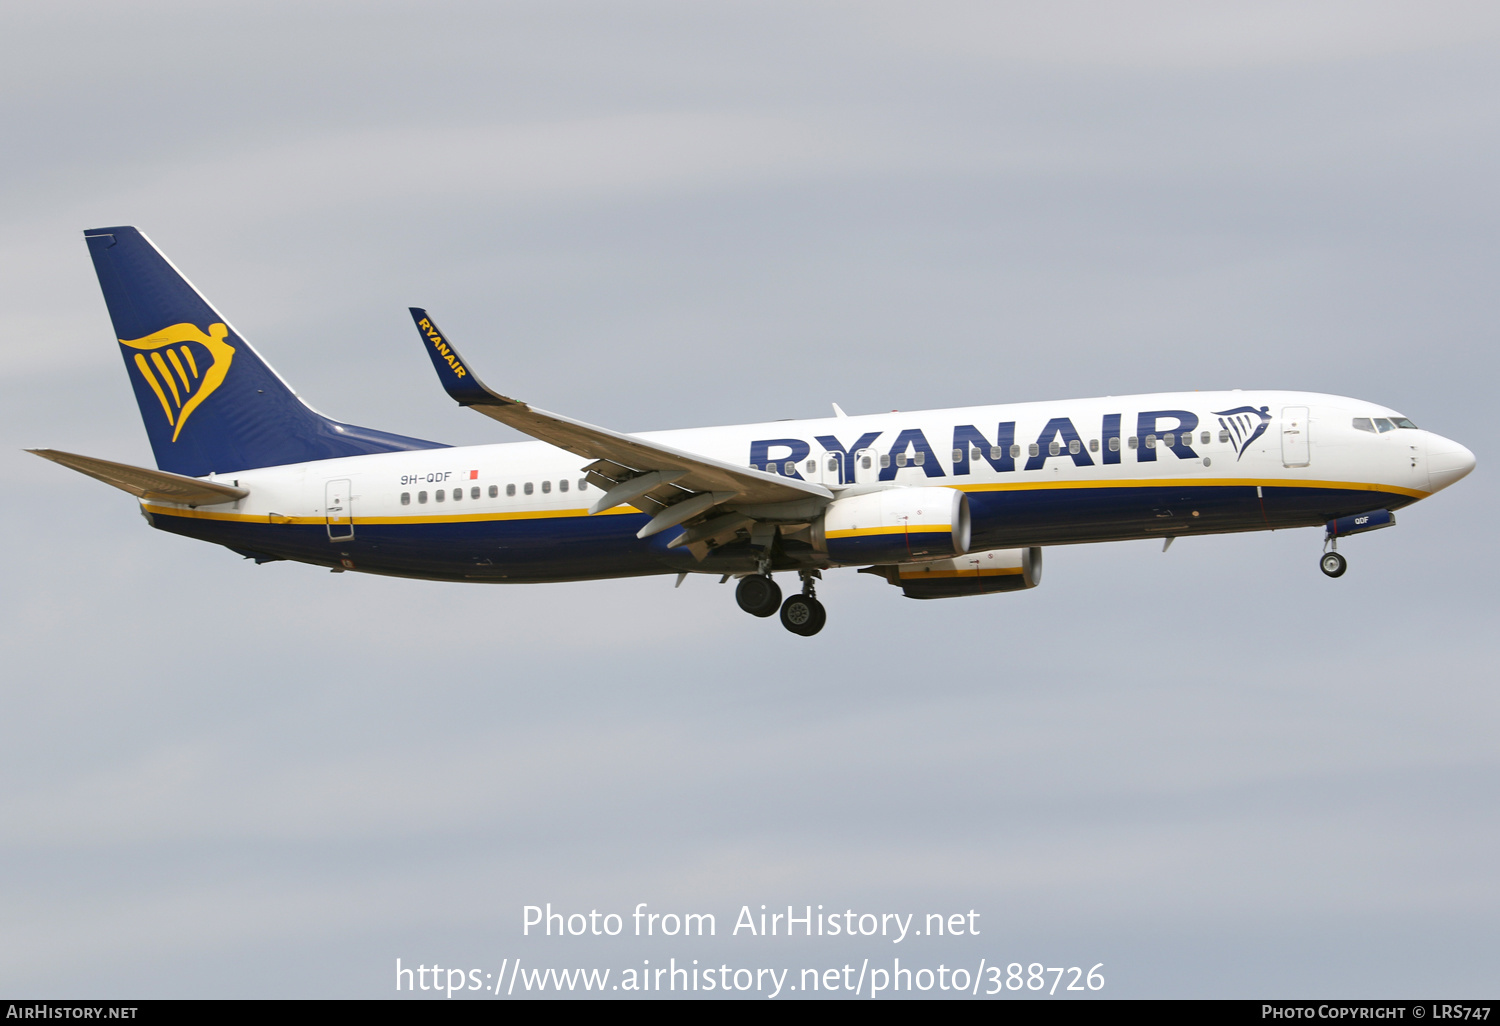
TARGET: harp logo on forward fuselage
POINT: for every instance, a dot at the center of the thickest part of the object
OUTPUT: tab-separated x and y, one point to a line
1245	424
183	366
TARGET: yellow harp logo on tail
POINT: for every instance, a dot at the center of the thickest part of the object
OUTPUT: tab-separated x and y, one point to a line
181	378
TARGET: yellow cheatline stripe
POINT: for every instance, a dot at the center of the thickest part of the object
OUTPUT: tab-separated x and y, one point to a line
177	366
927	574
262	518
145	368
187	354
463	518
166	375
1187	482
863	532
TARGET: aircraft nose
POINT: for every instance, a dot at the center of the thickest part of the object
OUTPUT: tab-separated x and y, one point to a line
1447	462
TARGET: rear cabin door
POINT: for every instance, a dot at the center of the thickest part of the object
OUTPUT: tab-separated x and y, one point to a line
1295	451
338	508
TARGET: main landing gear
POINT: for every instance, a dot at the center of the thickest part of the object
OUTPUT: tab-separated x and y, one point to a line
801	614
758	595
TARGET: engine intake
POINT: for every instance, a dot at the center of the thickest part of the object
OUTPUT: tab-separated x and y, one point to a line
977	573
894	525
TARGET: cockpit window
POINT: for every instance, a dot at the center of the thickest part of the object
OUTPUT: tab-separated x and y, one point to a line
1402	422
1384	425
1364	424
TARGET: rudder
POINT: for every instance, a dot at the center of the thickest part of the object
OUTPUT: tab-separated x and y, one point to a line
209	402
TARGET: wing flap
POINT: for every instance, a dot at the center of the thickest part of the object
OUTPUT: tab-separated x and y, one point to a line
146	484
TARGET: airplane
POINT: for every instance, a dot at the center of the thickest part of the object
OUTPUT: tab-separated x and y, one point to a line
939	503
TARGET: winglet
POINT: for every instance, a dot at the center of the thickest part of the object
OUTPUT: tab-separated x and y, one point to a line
452	371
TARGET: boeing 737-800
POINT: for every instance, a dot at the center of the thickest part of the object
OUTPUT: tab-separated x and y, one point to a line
938	503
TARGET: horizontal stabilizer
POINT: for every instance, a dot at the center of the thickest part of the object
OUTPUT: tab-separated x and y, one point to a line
146	484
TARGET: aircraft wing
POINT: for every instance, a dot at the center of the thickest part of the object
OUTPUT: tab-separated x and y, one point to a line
623	463
146	484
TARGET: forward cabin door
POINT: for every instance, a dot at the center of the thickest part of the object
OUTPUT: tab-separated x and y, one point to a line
338	508
1295	451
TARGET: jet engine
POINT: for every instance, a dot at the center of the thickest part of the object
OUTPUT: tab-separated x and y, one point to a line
894	525
976	573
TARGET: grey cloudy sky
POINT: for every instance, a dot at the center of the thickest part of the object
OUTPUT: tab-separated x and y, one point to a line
1214	771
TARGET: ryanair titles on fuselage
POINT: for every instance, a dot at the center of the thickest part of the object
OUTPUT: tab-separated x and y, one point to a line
1172	430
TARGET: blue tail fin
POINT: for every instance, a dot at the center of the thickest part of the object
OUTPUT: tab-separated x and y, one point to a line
209	401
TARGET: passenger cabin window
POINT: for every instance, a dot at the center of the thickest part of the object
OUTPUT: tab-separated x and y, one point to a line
1151	441
1053	448
1169	439
546	487
406	498
1114	444
495	491
562	485
919	458
1093	445
865	462
1015	452
458	493
1074	446
583	483
901	459
527	488
440	495
421	497
789	469
1364	424
833	463
1204	438
1034	449
996	452
812	466
885	461
1384	425
510	489
474	492
958	455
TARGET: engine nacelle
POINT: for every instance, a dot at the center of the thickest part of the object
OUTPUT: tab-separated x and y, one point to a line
977	573
894	525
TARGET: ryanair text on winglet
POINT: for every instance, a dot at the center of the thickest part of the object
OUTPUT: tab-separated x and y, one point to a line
442	347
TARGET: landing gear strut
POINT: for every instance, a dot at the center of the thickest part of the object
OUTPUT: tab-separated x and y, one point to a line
1331	563
803	614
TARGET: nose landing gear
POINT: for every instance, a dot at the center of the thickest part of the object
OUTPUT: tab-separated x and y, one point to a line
1331	562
